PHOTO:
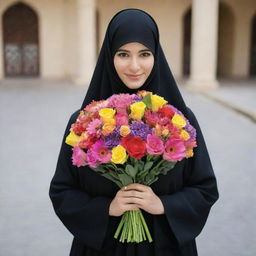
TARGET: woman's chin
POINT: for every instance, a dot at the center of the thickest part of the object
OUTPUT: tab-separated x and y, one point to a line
134	86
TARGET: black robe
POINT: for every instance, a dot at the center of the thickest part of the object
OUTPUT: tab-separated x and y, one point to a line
81	197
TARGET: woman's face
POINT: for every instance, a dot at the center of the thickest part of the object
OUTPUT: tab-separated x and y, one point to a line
133	63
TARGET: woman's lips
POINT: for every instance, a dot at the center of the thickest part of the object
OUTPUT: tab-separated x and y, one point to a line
133	77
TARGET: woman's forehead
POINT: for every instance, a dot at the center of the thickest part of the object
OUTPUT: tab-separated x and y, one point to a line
134	46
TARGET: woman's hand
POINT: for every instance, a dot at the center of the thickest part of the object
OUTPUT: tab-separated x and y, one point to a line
121	203
133	197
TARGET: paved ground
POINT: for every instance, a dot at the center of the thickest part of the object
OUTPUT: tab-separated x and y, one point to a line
33	115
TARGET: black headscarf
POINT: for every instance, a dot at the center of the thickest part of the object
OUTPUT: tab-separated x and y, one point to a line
133	25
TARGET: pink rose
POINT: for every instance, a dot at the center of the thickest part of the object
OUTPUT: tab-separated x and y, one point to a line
91	159
154	145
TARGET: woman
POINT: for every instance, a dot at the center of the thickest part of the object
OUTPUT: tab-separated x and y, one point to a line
177	205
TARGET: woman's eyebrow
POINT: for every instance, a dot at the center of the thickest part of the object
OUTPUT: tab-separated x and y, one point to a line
123	50
145	50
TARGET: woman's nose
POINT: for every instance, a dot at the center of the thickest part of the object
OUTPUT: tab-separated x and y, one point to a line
134	65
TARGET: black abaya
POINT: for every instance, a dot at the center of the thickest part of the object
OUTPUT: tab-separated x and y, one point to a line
81	197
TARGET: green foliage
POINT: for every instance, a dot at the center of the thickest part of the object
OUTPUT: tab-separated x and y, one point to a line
147	101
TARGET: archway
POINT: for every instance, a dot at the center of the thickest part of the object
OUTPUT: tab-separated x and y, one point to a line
20	37
186	42
225	41
253	47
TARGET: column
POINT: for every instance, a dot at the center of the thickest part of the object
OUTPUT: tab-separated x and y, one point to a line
1	52
86	41
204	45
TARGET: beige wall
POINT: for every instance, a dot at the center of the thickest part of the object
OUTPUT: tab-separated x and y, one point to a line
70	33
58	33
226	41
243	11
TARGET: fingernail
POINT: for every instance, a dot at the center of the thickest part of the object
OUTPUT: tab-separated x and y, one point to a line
125	188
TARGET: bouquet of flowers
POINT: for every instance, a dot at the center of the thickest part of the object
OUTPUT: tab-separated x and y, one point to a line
130	138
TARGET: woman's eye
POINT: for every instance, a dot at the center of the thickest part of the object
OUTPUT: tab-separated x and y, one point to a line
122	54
145	54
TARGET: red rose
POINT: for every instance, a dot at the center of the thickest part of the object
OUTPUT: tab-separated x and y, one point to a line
166	112
134	145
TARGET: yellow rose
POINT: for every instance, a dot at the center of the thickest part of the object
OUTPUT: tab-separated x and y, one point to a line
178	121
72	139
157	102
119	155
107	113
184	135
108	126
137	110
124	130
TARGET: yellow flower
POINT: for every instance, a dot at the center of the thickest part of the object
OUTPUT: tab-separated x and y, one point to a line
108	126
124	130
157	102
107	113
137	110
119	155
165	132
158	130
178	121
184	135
72	139
189	153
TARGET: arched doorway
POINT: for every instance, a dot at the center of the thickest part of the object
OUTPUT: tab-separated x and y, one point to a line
20	37
253	48
225	41
186	42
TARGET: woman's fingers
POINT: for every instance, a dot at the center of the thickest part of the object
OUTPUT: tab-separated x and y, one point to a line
136	186
133	193
132	200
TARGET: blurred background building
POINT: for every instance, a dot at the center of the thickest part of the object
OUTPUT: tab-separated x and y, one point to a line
204	40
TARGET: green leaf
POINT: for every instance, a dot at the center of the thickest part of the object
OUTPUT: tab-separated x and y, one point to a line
125	179
117	182
147	101
148	165
149	177
130	170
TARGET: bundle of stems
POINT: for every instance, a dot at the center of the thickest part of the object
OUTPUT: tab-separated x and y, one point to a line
133	227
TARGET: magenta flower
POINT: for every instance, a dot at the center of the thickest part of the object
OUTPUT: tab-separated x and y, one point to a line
154	145
91	159
122	119
94	126
174	150
100	152
78	157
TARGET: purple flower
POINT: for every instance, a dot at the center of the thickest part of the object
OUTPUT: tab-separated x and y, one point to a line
176	110
136	98
191	130
140	129
113	139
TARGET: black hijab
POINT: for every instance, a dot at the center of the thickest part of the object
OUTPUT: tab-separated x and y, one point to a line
132	25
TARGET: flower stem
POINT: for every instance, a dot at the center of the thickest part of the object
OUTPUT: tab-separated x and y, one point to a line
145	227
